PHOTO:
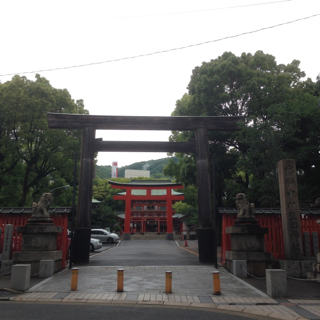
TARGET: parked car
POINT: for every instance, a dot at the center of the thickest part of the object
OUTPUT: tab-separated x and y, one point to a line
95	244
104	236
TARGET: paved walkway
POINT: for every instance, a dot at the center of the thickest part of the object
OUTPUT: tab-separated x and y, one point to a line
192	286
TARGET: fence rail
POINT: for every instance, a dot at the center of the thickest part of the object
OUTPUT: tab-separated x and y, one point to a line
274	238
20	219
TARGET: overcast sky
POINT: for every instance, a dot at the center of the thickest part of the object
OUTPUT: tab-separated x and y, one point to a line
42	35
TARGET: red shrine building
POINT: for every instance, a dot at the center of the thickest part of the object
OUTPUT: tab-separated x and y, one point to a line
148	206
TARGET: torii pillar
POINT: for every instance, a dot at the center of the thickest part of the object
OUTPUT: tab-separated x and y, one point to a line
82	236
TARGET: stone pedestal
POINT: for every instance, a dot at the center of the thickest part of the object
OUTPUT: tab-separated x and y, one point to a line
247	243
39	242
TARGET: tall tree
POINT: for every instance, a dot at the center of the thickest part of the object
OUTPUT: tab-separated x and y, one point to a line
32	156
282	120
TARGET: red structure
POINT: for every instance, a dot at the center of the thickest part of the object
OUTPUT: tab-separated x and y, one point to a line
18	217
270	218
148	205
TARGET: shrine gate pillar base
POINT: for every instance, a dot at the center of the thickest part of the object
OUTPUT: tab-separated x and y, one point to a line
81	246
126	236
170	236
206	245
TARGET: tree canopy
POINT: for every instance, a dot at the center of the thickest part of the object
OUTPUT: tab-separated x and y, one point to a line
33	158
282	120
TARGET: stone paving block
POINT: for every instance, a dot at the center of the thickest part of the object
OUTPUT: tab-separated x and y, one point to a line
99	301
146	297
170	298
24	299
165	297
123	302
173	303
281	316
70	295
256	312
151	302
74	300
230	308
60	295
132	297
49	300
313	309
204	305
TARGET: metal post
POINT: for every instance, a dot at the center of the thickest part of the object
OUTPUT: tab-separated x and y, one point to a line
120	281
74	279
168	282
216	283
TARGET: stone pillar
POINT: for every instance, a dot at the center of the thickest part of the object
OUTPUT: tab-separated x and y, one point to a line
20	277
205	230
290	211
7	242
276	281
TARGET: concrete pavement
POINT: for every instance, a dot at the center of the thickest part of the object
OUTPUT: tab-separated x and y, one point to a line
192	287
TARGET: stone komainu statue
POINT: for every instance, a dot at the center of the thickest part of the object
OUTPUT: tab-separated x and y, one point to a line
40	209
245	209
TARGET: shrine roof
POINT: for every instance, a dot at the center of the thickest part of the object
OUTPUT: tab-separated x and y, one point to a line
28	210
176	215
174	193
147	183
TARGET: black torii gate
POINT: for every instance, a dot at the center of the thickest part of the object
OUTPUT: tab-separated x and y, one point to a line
90	123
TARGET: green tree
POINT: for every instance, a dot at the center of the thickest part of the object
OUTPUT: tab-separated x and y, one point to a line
281	121
32	156
106	214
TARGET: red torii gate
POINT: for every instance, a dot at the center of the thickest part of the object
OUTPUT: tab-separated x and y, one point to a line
89	124
129	196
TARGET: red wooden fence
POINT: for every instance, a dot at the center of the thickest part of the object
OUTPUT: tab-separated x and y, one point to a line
274	238
20	219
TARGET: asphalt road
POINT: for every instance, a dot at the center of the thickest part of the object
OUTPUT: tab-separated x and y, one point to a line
145	253
28	311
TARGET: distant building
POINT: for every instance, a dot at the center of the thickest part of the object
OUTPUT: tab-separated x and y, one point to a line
136	173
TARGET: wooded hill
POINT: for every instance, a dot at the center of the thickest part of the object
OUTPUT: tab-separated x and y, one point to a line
154	166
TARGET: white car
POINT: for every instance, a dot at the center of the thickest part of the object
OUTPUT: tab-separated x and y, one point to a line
95	244
104	236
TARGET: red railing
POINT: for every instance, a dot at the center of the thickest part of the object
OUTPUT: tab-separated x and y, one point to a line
20	219
274	238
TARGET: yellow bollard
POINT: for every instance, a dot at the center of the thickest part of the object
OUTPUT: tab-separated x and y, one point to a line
74	279
168	282
216	283
120	281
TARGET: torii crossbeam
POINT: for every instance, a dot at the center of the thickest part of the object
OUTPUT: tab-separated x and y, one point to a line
90	123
